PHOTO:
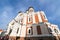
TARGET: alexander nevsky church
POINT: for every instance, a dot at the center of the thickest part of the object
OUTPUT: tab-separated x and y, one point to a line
31	25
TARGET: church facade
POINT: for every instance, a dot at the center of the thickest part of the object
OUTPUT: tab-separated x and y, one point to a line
31	25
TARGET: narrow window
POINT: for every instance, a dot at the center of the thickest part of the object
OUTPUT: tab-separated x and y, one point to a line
38	29
49	29
21	21
17	30
29	18
10	31
29	31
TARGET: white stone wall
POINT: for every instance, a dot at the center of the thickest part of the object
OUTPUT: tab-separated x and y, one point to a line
14	30
23	31
23	26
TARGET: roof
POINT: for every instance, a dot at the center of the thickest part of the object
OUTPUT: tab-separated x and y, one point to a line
1	30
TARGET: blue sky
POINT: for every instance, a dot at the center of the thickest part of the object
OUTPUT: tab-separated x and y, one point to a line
10	8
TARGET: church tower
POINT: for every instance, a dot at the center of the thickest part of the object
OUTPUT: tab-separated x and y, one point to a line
31	25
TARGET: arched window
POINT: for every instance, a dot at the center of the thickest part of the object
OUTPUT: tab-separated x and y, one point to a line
49	29
56	31
29	19
29	31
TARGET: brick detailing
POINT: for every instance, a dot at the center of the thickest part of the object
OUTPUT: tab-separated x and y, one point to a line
36	18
